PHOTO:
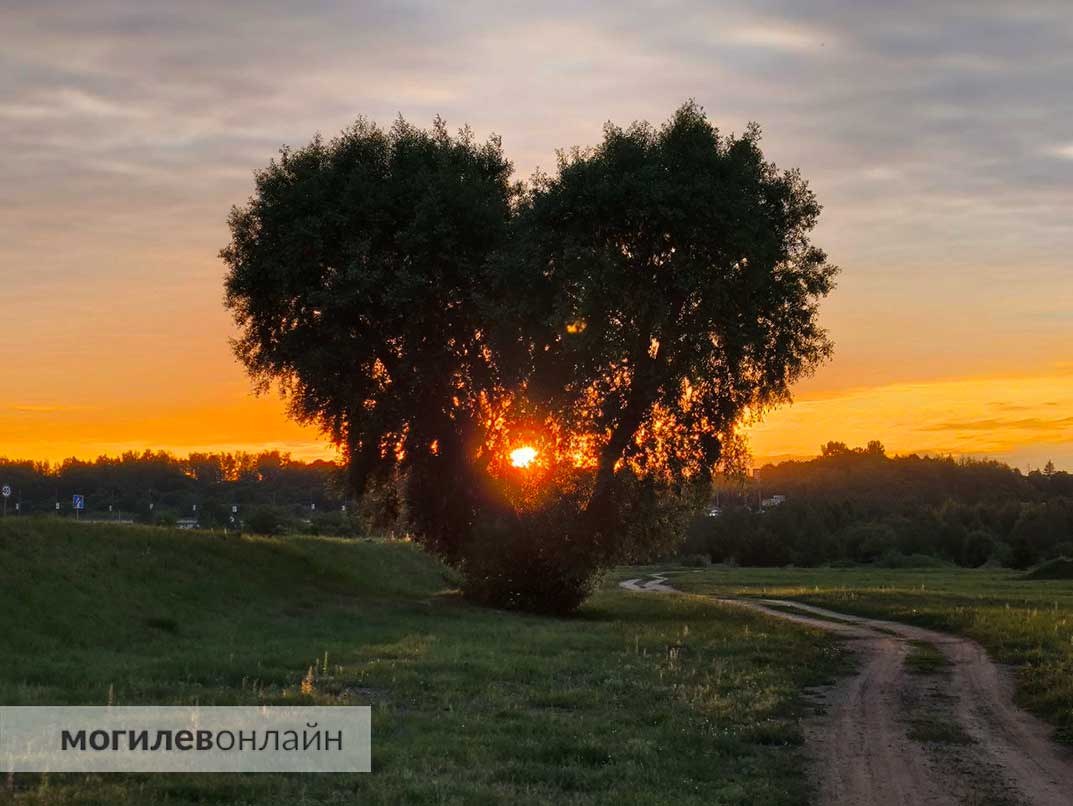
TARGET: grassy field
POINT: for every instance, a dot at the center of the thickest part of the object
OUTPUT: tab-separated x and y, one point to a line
1027	623
642	699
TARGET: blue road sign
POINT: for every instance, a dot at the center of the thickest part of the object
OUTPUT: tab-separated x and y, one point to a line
78	501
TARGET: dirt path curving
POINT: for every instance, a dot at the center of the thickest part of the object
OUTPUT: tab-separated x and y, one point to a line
893	734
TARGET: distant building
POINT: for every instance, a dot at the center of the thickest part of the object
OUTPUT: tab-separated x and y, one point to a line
774	501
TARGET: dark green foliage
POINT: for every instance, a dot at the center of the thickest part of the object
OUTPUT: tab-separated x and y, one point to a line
896	559
266	521
168	625
356	276
695	560
979	547
529	564
863	506
213	482
1060	568
871	478
420	308
674	277
925	658
356	272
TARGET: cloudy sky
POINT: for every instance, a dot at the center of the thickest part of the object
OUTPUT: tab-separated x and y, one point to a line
938	135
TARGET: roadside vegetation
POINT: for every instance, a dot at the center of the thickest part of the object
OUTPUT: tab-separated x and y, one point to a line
1020	621
639	699
925	658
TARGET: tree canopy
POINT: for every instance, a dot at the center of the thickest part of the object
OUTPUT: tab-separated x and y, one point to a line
619	318
860	505
677	288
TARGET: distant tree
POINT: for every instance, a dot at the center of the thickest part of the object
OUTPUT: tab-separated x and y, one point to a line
622	315
266	521
979	547
833	448
875	448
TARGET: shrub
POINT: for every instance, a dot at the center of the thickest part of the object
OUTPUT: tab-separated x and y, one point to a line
1061	568
895	559
977	549
529	562
266	521
869	541
695	560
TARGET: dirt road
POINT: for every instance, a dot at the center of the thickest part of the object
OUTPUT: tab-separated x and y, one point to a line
900	734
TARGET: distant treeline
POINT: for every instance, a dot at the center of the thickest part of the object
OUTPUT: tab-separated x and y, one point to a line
860	505
849	504
272	491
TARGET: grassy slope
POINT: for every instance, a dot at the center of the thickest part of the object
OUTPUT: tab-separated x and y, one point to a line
641	699
1028	623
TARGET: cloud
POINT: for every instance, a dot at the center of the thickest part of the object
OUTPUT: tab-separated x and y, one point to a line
41	409
935	134
780	36
1041	425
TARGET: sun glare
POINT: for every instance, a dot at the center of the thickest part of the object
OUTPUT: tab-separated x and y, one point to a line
522	457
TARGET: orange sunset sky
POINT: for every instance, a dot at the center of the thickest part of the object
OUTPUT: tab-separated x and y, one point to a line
938	139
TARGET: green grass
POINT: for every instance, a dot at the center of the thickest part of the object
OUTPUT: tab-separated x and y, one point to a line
938	730
925	658
1027	623
640	699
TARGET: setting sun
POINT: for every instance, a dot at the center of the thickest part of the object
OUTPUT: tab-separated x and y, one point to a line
522	457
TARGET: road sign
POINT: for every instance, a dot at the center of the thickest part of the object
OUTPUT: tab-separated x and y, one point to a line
78	502
6	490
234	508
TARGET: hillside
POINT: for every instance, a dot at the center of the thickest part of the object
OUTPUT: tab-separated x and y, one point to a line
872	478
91	588
636	700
